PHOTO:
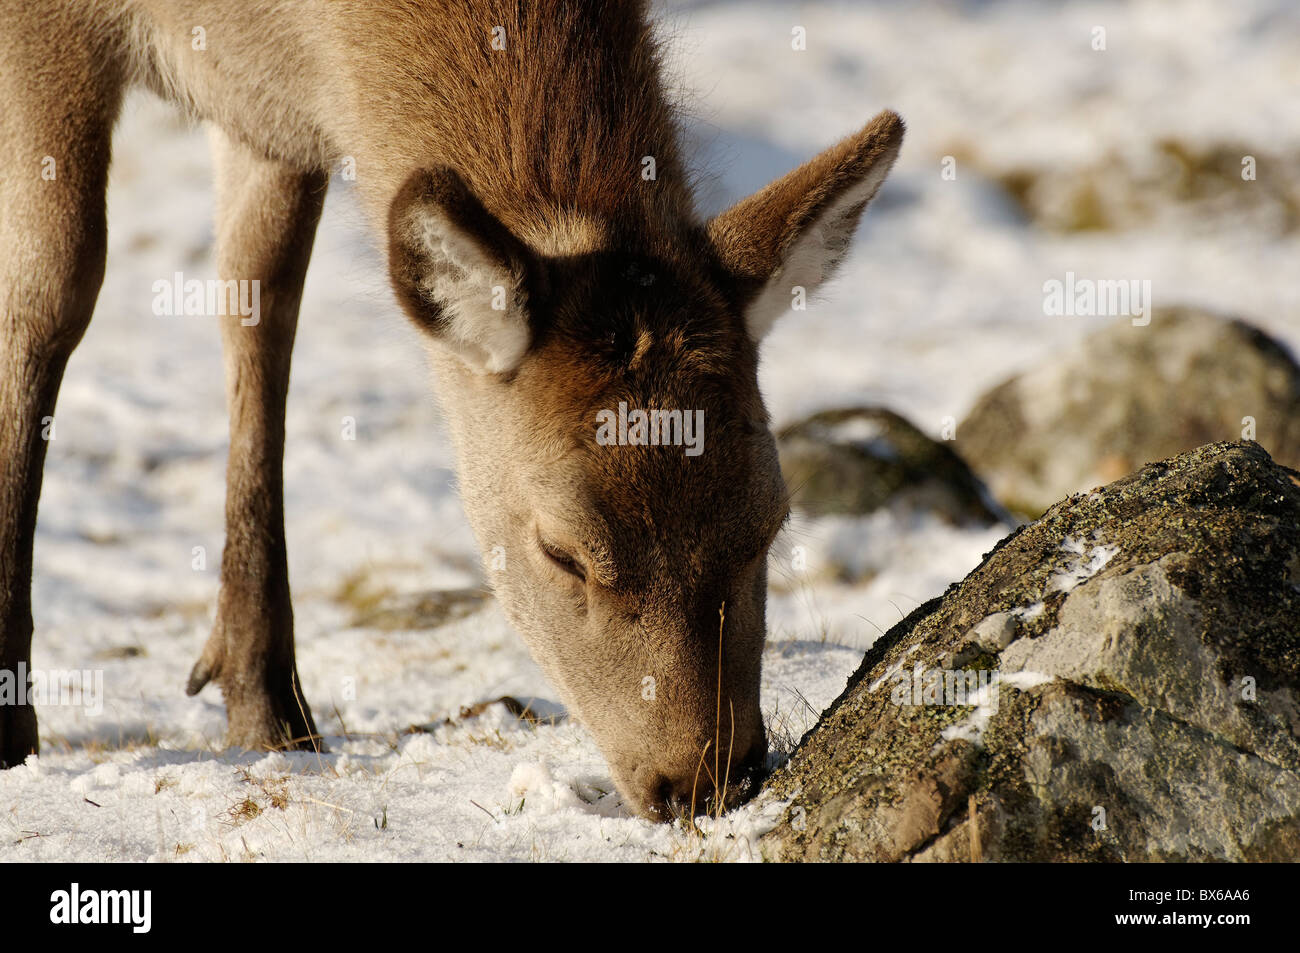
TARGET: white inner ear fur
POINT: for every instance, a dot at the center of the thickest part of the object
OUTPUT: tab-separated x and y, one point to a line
482	298
815	253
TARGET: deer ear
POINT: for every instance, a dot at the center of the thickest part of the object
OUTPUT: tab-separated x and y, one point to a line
458	271
795	232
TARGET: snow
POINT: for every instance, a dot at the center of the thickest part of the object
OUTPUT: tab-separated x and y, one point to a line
1025	680
971	728
985	703
907	558
940	298
1030	612
1084	562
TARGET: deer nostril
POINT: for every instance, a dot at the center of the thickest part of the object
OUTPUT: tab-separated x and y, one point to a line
659	797
669	795
678	802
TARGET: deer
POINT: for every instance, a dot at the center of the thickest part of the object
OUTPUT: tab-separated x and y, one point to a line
522	165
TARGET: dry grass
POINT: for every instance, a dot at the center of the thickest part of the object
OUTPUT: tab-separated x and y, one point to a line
245	810
701	845
270	794
98	748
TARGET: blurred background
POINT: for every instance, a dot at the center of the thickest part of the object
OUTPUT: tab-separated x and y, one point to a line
1103	139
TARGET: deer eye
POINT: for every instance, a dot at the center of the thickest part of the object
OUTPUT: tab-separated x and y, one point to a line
564	561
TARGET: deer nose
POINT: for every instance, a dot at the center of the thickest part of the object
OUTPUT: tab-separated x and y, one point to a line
681	794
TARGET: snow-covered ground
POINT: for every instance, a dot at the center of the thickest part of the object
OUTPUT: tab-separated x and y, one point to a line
942	297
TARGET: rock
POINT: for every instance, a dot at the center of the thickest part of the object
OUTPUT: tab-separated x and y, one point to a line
1193	186
995	632
1129	395
1146	707
854	461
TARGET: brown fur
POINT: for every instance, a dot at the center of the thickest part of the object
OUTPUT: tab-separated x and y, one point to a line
551	280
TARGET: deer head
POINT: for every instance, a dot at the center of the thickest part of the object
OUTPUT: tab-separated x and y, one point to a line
629	548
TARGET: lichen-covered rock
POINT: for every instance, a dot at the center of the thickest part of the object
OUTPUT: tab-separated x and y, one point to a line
1129	395
1179	184
854	461
1119	680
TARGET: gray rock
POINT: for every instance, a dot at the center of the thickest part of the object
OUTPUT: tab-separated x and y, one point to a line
1144	704
1129	395
996	632
856	460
